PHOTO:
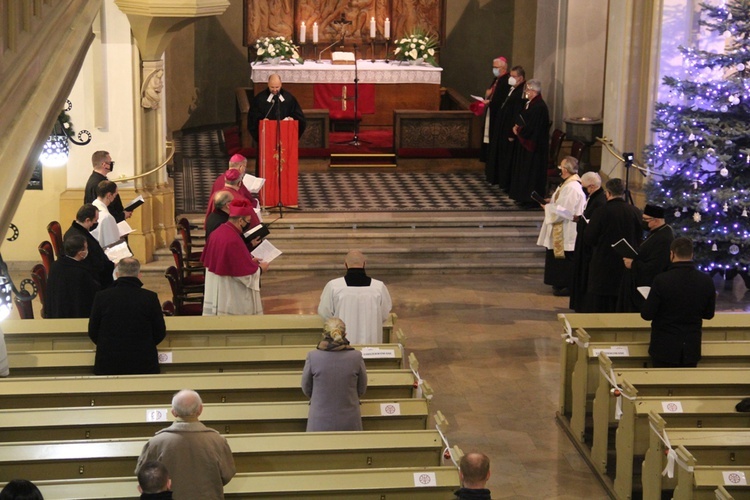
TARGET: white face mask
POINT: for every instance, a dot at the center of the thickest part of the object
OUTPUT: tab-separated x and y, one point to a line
512	81
496	72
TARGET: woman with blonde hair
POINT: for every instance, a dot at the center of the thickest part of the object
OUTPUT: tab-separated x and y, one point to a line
334	379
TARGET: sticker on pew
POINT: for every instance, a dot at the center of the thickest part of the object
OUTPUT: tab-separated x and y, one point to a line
377	352
165	357
671	407
390	409
614	351
158	415
734	478
422	479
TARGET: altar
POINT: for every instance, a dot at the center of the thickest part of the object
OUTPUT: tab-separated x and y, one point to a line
398	85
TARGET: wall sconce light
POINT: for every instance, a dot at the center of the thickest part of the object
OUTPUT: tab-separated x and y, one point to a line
8	289
56	149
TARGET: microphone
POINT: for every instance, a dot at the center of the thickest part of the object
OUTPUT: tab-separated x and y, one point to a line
273	103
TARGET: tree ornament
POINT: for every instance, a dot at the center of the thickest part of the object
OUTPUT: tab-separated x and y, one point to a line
744	212
677	214
725	207
714	248
691	137
734	249
724	172
684	209
697	217
741	67
679	150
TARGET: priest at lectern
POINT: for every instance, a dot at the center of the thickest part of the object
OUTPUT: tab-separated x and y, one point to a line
274	103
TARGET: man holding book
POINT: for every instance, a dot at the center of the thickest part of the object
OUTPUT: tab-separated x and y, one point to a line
103	164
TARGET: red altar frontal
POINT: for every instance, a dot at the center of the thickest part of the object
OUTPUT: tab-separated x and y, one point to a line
273	165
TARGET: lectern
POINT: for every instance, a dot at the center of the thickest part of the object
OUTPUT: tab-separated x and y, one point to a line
279	171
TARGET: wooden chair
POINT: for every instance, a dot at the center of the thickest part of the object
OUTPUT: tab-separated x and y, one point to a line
192	278
48	255
192	258
39	276
576	150
25	310
56	237
183	303
553	174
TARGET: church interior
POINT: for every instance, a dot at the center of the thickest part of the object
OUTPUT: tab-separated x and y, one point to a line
497	362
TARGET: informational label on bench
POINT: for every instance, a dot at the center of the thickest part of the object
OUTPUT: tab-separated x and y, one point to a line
422	479
734	478
165	357
377	352
390	409
158	415
614	351
671	406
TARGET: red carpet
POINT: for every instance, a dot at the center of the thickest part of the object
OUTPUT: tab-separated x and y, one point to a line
372	141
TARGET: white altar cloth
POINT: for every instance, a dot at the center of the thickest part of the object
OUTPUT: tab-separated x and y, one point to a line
369	72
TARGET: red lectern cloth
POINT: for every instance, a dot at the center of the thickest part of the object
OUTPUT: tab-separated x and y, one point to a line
338	98
269	164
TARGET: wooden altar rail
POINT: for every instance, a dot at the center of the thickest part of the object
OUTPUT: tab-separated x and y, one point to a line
193	359
184	331
435	130
355	484
289	451
102	422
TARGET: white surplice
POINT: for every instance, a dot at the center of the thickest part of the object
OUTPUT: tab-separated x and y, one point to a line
362	308
106	233
232	295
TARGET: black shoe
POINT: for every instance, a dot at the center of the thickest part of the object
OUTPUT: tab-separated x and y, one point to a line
561	292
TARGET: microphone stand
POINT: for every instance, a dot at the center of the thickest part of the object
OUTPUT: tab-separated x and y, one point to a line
355	140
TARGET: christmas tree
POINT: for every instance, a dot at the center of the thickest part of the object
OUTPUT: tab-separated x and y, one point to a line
700	159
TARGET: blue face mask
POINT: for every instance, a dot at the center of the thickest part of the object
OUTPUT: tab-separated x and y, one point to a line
496	72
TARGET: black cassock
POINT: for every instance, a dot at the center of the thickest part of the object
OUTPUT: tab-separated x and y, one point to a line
501	152
582	253
530	169
70	290
274	109
500	92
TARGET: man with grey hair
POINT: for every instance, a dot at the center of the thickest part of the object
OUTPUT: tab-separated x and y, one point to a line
199	458
558	233
494	97
126	324
529	172
220	214
361	302
592	186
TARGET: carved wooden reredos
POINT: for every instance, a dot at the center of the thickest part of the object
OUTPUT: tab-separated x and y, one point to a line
284	17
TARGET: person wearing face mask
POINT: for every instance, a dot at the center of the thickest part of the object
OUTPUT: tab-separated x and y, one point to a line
493	99
652	259
101	267
503	149
103	165
592	187
529	171
70	286
679	300
232	273
107	232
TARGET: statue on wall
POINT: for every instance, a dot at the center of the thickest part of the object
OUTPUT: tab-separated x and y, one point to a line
410	14
269	18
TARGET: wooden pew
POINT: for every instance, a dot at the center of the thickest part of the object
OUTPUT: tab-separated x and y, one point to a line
632	438
184	331
670	384
437	483
720	447
722	494
196	359
232	387
271	452
702	481
102	422
616	328
585	378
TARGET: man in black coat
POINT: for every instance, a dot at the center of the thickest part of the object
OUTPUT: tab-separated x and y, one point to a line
274	103
529	171
652	259
474	472
679	300
614	221
493	99
101	268
592	186
126	324
503	147
103	164
70	287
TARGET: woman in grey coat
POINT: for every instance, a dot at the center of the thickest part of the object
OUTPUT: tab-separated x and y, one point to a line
334	379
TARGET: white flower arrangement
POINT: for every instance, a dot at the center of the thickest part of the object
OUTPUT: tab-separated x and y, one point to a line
418	45
276	47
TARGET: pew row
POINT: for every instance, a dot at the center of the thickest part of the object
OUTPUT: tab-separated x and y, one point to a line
404	483
274	452
197	359
728	447
700	482
108	422
231	387
585	378
616	328
184	331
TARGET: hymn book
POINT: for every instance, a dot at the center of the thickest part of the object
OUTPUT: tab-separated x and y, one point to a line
252	183
137	202
124	228
259	231
266	251
625	249
118	251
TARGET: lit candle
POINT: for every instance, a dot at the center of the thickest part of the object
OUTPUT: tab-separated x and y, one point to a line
302	33
387	28
315	32
373	30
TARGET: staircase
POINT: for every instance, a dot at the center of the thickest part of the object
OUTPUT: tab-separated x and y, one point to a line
402	243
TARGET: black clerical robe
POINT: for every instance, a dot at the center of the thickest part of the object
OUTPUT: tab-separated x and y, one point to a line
115	208
499	89
582	253
530	169
652	259
96	261
265	107
70	290
503	149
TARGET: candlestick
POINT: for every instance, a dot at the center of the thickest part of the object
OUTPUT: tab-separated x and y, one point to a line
302	33
373	29
315	32
387	28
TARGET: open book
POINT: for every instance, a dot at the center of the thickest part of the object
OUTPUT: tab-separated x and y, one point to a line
118	251
266	251
124	228
252	183
137	202
625	249
258	231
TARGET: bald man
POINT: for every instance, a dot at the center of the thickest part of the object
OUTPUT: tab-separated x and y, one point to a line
272	104
198	458
474	472
361	302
